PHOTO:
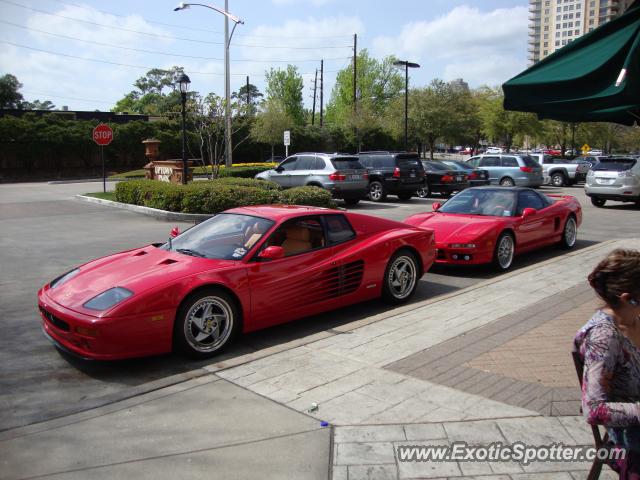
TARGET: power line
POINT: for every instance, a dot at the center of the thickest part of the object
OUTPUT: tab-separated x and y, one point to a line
156	52
44	95
108	62
193	28
158	35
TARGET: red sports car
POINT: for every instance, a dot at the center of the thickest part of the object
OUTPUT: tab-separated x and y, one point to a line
242	270
492	224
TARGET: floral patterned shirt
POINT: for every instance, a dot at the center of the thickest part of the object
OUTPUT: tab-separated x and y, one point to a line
611	379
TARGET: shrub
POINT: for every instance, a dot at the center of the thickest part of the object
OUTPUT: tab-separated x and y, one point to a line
215	197
164	196
247	182
244	172
130	191
312	196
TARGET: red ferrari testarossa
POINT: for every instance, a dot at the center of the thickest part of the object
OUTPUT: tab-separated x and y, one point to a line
242	270
492	224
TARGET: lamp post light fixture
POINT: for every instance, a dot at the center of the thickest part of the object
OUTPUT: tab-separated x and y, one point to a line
183	82
227	82
407	65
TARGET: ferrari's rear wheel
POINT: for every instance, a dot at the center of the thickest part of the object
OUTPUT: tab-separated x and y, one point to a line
205	323
569	234
504	251
400	277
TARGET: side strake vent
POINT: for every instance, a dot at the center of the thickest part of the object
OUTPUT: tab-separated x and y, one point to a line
341	280
140	253
168	261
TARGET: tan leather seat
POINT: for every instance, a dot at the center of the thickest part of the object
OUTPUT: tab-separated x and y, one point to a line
297	241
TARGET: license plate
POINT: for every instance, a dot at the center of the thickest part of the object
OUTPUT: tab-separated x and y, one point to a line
459	178
605	181
412	174
355	177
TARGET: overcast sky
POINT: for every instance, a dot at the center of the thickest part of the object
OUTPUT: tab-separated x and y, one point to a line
87	54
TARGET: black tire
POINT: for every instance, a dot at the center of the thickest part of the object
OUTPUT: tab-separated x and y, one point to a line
569	233
351	201
186	330
558	180
507	182
397	290
377	192
405	196
423	191
502	260
598	202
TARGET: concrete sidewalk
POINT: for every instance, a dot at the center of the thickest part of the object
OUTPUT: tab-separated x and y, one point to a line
405	377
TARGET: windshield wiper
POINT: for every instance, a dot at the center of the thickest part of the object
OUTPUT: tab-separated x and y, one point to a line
193	253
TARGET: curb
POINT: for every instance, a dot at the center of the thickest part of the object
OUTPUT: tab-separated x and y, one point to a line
150	212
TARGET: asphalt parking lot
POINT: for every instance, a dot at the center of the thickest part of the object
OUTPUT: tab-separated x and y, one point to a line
45	232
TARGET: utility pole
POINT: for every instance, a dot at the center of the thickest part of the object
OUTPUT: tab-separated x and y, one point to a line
315	86
321	90
227	91
355	71
248	96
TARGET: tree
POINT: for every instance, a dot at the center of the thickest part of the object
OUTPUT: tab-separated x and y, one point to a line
150	97
10	97
249	95
500	125
378	82
285	87
271	123
38	105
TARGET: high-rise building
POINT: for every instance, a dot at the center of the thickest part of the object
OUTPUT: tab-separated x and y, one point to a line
554	23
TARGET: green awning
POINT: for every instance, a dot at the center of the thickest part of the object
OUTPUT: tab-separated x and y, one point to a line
594	78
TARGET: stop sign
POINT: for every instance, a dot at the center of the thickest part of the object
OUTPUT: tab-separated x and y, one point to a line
102	134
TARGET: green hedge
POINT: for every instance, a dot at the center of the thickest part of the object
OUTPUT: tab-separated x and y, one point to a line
244	172
216	195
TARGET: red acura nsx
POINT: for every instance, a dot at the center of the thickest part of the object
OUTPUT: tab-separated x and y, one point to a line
242	270
492	224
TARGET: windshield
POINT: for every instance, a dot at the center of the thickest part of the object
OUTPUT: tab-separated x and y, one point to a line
489	202
615	164
436	166
226	237
458	165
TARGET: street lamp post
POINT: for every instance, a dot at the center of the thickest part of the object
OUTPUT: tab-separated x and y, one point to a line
183	82
227	82
406	64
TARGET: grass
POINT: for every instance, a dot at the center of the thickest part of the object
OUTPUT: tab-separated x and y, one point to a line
104	196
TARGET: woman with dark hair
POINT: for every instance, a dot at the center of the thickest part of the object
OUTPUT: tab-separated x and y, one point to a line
609	345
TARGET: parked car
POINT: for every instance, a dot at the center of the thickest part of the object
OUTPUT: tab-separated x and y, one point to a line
560	172
552	151
595	152
477	177
242	270
509	170
491	224
443	179
614	178
392	173
493	150
343	175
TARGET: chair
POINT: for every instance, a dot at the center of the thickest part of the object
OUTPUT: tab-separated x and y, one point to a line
298	240
600	441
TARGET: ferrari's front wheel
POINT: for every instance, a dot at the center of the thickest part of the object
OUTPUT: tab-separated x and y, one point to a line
206	322
504	251
400	277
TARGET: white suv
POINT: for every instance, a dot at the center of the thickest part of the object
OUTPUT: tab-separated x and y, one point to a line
614	178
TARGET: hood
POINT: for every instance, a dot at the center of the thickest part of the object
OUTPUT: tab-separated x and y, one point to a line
136	270
454	228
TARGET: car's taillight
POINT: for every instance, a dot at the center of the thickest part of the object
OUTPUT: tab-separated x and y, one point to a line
337	177
446	178
527	169
396	172
473	175
365	175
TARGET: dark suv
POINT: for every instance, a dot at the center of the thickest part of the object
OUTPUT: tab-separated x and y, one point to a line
394	173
